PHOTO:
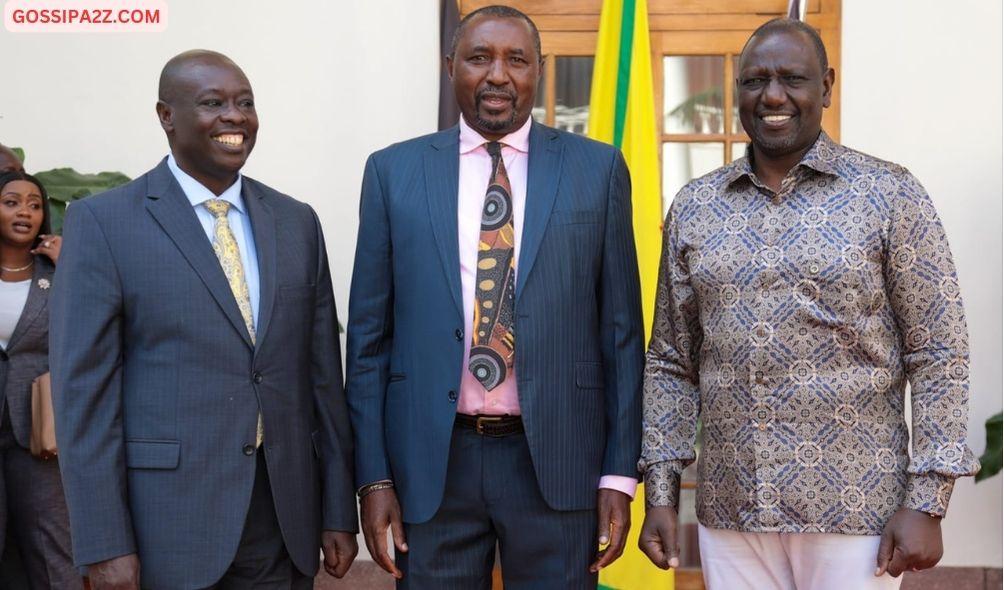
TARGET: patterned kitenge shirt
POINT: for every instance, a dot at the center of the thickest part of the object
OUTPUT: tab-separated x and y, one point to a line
789	324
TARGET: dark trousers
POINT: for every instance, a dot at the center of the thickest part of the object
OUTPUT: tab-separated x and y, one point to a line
262	561
492	497
33	512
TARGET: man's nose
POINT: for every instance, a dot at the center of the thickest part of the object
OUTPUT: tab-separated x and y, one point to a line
774	93
496	72
233	113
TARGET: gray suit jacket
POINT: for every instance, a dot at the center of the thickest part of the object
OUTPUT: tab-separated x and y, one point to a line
27	353
157	384
579	352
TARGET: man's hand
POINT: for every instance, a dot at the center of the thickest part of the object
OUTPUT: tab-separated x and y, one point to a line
339	550
119	573
658	538
911	541
613	512
380	510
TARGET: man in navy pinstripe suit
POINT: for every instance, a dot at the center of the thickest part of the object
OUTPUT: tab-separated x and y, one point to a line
495	337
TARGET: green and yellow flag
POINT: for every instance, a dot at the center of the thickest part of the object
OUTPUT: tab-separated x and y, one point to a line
622	113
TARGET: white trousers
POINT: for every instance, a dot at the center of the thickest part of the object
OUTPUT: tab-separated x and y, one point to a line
733	560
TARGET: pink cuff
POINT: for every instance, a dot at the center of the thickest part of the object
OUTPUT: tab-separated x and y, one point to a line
627	485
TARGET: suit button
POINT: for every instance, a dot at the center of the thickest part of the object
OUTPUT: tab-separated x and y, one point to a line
459	334
249	450
257	378
452	396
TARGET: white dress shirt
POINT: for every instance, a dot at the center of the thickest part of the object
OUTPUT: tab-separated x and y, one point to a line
237	217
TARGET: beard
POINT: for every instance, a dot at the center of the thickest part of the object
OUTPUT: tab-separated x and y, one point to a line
773	144
495	124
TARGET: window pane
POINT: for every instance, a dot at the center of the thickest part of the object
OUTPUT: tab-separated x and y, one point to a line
738	150
683	162
573	77
692	94
539	112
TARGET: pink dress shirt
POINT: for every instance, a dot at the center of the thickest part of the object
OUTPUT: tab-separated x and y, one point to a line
475	169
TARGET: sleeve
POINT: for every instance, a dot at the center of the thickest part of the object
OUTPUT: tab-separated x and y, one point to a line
923	292
85	359
335	434
370	330
671	385
621	329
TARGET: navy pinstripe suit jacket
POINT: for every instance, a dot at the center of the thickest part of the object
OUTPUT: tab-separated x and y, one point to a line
157	384
579	332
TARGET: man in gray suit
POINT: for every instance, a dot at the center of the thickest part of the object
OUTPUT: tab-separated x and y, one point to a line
200	415
495	337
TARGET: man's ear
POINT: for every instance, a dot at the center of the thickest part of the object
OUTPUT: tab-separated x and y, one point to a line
828	81
449	66
166	116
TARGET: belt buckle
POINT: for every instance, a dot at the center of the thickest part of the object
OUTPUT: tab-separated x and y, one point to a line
479	425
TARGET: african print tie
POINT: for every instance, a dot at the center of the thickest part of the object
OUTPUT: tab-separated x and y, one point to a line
229	254
492	344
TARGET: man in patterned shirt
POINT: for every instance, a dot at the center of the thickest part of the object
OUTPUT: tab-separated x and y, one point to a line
801	288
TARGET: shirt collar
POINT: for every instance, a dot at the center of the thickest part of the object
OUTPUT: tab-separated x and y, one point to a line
471	140
821	157
197	193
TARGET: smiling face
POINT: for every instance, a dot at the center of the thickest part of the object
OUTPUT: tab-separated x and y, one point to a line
209	116
782	94
21	213
495	71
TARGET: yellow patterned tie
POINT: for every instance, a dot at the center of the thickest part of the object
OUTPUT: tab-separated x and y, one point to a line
229	254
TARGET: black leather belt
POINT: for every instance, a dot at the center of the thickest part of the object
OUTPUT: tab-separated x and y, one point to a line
495	426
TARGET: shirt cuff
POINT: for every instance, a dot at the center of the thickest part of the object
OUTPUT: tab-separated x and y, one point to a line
929	493
662	484
620	483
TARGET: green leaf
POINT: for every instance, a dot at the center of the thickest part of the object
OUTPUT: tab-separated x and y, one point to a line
19	153
990	462
66	184
57	210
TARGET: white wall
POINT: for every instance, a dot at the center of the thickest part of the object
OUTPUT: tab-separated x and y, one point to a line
333	82
921	83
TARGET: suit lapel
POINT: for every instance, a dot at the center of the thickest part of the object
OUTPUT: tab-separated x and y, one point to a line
442	181
171	209
37	300
543	174
263	226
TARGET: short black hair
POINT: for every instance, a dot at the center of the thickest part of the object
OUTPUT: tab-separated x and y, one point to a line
498	11
14	175
791	25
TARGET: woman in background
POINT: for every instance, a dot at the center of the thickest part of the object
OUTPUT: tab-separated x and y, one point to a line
32	506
